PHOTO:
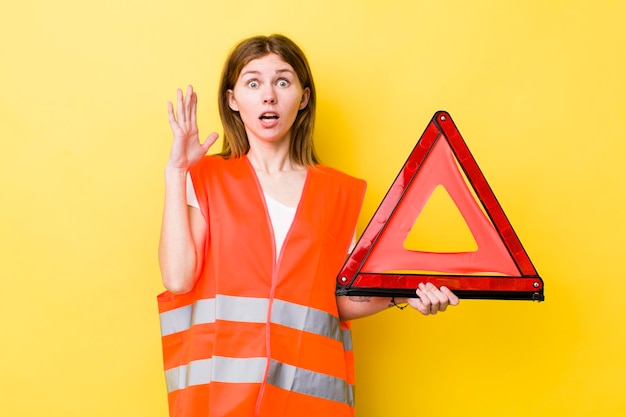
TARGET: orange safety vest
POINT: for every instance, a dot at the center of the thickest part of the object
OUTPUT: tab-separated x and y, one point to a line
259	335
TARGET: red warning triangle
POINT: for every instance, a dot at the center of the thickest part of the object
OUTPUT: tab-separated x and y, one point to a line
380	265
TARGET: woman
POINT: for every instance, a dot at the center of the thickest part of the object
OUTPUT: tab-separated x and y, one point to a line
251	243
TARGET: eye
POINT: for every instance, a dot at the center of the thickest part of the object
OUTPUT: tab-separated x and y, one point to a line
282	83
253	84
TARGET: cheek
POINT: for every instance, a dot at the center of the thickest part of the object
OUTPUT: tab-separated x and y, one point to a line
240	106
246	102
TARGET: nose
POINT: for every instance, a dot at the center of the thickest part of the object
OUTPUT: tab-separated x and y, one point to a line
269	97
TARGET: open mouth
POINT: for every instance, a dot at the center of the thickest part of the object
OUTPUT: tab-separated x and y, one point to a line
269	116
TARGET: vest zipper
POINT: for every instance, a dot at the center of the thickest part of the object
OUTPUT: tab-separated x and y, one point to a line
275	268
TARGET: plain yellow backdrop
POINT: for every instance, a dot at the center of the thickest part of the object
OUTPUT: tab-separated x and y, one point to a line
537	89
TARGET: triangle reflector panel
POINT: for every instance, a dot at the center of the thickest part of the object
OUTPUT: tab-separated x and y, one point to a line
381	265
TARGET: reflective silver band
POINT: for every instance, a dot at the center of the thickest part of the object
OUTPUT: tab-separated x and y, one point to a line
311	383
251	370
304	318
216	369
243	309
196	373
182	318
346	339
250	310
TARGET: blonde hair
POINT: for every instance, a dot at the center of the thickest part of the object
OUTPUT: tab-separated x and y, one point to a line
235	145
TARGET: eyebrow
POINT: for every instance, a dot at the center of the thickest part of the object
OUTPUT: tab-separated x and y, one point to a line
255	72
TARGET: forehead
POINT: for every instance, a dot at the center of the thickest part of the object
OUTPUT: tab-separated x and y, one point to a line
267	64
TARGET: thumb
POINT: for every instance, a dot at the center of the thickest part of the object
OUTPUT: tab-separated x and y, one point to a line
210	140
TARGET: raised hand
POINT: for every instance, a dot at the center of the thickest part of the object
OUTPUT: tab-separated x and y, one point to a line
186	146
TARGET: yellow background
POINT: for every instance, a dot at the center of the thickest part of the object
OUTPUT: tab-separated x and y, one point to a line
537	89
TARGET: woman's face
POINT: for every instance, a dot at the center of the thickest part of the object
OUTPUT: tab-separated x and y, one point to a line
268	96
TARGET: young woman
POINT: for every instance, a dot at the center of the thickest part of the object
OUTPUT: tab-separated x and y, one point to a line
251	242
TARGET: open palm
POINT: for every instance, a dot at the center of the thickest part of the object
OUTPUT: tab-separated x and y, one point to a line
186	146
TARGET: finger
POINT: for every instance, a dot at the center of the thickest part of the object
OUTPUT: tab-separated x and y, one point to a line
188	100
453	300
210	140
170	111
431	292
436	292
424	303
419	305
171	116
192	110
180	111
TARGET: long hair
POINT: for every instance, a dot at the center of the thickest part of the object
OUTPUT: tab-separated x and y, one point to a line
236	144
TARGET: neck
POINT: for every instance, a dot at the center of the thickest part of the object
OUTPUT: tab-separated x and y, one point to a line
271	160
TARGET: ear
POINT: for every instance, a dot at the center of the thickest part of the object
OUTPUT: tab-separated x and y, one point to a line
232	103
305	98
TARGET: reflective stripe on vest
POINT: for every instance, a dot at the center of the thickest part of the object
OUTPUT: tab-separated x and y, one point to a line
251	370
216	369
311	383
250	310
